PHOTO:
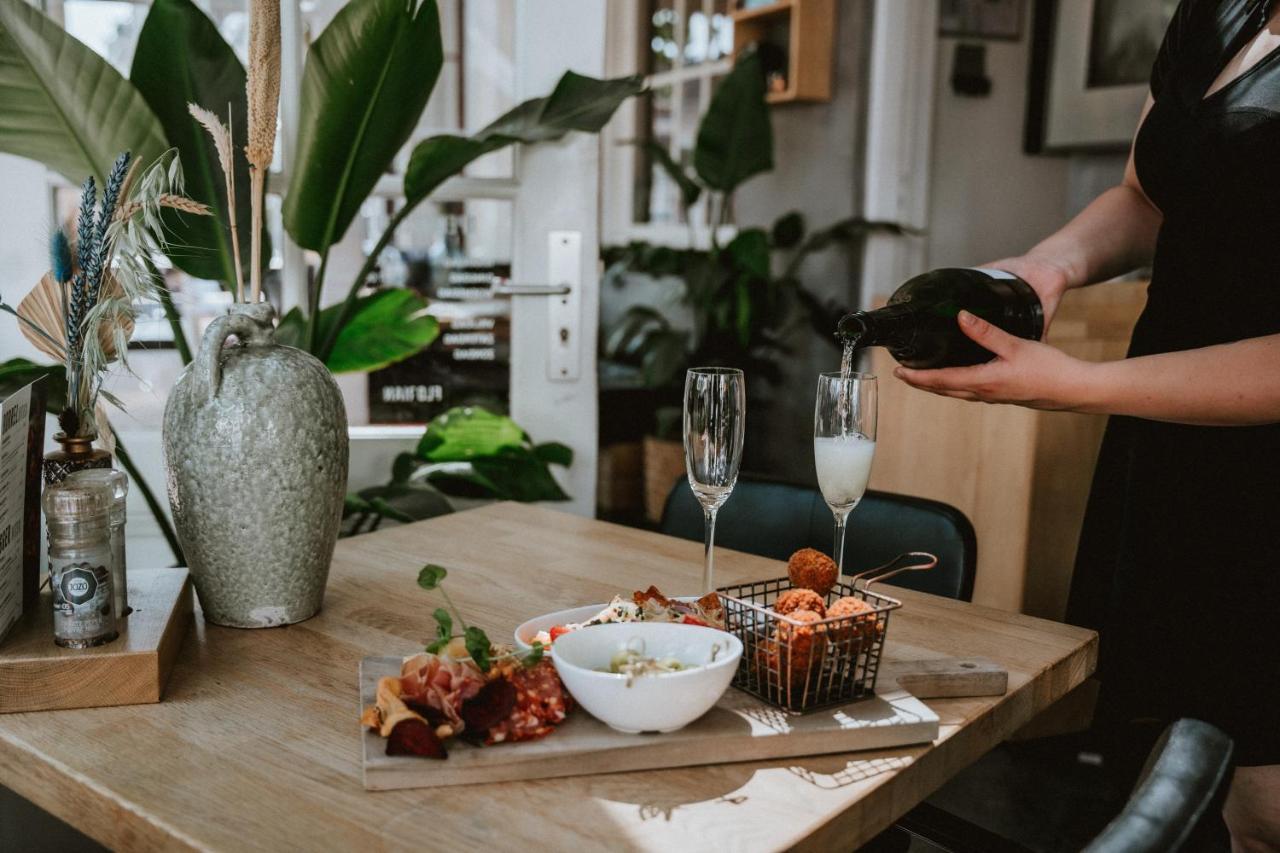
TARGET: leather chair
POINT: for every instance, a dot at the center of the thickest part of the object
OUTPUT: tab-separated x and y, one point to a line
1183	784
774	519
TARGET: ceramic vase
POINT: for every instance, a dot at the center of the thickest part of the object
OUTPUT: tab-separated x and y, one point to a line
255	447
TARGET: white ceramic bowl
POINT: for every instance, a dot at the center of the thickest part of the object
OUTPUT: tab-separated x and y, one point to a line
647	703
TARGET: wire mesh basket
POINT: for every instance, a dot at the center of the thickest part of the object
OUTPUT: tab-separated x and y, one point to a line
801	664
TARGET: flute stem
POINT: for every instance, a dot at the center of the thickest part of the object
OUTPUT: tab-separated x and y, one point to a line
709	539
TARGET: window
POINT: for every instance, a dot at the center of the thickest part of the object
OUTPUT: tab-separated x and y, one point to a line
683	47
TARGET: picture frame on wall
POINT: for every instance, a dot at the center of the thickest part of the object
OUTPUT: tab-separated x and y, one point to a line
1090	66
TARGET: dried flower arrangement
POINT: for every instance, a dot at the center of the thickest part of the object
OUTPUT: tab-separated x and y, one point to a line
81	313
263	85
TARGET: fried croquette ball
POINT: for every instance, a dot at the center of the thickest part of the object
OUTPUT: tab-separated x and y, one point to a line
801	645
851	607
812	569
799	599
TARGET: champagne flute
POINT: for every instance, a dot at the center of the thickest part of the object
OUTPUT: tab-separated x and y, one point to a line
714	417
844	443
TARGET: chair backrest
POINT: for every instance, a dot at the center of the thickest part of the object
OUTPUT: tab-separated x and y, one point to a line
1184	782
773	519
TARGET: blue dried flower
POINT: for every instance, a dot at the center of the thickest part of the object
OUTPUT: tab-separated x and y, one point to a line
60	256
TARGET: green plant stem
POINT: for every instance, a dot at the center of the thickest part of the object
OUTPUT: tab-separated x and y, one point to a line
449	601
152	504
313	305
353	294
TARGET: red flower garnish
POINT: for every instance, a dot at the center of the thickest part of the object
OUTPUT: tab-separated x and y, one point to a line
414	737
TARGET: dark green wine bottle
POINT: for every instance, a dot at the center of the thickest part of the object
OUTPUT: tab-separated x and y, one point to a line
918	325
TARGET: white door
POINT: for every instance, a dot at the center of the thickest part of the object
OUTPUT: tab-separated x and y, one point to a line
557	213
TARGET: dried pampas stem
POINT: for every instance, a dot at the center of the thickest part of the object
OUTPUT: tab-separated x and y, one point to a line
221	134
264	101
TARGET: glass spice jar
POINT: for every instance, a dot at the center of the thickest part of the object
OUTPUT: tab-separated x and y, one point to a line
78	516
118	485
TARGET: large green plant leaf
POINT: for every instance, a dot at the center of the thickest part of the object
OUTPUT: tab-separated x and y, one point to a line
385	327
62	105
367	79
689	189
182	58
735	139
463	434
577	103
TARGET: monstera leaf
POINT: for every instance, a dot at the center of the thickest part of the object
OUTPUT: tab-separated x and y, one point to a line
182	59
62	105
367	80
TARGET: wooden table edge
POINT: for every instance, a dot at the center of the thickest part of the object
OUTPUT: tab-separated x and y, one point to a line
850	829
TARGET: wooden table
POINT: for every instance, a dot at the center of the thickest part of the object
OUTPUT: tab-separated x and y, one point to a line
256	747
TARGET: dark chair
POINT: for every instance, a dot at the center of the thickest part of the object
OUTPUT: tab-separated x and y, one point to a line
1178	793
773	519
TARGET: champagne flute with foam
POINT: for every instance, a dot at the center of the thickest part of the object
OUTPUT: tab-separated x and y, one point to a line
844	444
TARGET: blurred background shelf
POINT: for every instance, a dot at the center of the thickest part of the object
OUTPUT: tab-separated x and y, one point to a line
795	40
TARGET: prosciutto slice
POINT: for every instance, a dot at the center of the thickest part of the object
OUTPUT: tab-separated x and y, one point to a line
441	683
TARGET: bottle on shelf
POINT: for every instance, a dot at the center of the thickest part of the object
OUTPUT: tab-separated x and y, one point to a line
918	325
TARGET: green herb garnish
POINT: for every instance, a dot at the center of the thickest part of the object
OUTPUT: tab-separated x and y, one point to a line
477	642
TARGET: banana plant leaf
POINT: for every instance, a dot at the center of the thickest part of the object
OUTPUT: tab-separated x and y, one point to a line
366	82
385	327
181	58
578	102
63	105
735	138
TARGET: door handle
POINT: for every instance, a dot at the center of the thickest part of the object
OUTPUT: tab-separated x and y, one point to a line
506	288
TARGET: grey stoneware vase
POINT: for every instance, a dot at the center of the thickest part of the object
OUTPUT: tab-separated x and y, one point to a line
255	451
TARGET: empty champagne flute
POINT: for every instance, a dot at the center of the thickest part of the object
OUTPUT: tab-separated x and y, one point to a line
715	402
844	443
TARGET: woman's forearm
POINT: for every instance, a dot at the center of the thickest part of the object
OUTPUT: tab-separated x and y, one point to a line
1116	233
1236	384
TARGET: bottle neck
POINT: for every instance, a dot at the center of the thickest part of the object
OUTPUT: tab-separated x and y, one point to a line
890	326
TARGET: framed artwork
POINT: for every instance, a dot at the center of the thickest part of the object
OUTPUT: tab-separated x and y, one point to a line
982	19
1090	65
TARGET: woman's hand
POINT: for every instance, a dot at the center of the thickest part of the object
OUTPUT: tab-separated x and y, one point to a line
1047	278
1025	373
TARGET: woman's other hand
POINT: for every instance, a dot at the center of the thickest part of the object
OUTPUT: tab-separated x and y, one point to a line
1048	279
1025	373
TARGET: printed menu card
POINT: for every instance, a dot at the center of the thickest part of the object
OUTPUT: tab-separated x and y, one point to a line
21	446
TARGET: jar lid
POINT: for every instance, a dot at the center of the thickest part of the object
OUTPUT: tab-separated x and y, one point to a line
67	501
115	481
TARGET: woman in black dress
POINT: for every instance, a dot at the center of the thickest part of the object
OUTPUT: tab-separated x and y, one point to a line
1178	564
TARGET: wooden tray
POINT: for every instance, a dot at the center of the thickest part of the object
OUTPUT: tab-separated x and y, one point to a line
738	728
36	675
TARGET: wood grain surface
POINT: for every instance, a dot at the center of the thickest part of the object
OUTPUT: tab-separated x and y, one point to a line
37	675
255	746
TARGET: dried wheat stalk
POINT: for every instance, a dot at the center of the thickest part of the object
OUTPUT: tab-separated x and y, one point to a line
222	142
264	101
176	202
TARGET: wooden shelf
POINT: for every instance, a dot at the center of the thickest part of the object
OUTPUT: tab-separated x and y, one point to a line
808	29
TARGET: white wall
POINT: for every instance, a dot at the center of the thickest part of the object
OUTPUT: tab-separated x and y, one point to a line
989	200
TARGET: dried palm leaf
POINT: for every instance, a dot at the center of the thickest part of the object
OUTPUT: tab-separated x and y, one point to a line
41	313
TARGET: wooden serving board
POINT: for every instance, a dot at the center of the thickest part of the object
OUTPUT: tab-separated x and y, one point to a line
37	675
739	728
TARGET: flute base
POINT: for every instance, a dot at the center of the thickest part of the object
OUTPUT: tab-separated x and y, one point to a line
37	675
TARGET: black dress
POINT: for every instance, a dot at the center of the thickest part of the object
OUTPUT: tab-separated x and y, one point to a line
1179	559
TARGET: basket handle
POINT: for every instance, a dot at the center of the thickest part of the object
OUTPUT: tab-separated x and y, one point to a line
923	561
